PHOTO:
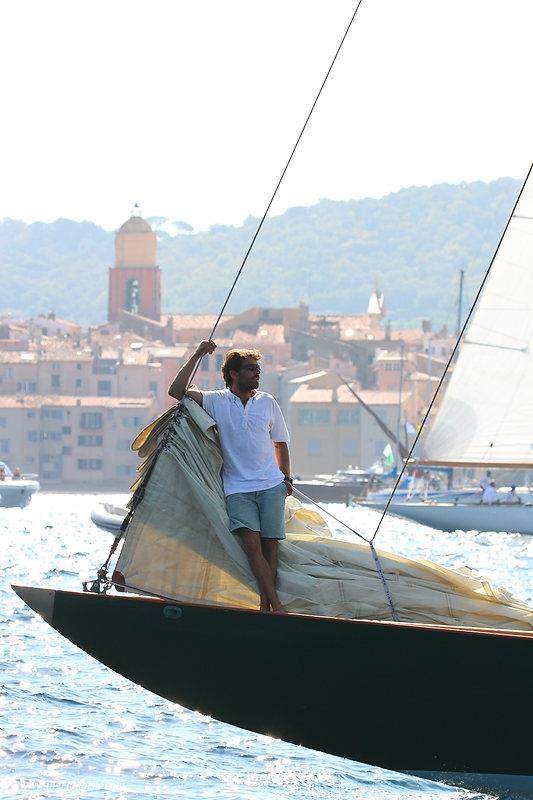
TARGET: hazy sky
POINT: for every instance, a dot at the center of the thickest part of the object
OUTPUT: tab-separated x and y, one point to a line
192	108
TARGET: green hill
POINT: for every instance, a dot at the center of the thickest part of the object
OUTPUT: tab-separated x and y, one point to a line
332	255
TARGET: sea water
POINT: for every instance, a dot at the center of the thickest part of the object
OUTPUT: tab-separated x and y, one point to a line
71	728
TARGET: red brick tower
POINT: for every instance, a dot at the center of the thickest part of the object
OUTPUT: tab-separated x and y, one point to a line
135	280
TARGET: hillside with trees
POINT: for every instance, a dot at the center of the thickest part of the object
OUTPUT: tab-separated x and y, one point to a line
332	255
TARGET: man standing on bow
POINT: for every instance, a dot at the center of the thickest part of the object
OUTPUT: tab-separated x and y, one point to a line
255	448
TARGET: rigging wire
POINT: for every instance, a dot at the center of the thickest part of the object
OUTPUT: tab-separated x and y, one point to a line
286	167
452	354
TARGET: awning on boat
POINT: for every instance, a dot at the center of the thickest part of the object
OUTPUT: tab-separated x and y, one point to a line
178	545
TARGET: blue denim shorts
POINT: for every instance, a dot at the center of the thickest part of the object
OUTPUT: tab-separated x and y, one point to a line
262	511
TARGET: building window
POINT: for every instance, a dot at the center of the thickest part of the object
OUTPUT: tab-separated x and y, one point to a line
8	372
4	445
33	436
204	364
103	389
90	440
55	366
348	416
66	429
27	387
219	360
66	451
78	383
52	413
125	470
3	422
31	414
91	420
152	387
56	381
349	447
90	463
123	444
313	447
132	422
78	366
313	416
51	436
268	358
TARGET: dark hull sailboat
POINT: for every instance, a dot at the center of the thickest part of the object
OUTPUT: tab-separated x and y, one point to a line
422	699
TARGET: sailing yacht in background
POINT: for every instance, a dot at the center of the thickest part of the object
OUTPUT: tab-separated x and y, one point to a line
486	416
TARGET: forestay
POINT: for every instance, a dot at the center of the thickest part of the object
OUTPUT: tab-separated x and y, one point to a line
178	545
486	416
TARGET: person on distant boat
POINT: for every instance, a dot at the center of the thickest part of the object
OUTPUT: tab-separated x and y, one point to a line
16	473
255	448
486	481
490	495
511	496
2	473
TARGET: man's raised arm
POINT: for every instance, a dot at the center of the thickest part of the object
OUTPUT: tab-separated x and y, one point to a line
178	387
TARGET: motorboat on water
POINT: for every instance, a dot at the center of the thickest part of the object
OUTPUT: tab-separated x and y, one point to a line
16	490
344	486
108	515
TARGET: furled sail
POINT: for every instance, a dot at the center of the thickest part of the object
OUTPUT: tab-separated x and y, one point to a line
486	416
178	545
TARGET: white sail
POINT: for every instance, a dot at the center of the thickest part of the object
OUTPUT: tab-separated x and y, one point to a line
486	416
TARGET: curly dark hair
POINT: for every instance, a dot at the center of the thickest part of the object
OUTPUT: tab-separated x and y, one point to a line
234	359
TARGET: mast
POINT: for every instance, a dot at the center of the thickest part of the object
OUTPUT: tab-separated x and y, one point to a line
460	303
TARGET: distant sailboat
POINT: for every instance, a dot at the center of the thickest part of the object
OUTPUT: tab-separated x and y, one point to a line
486	416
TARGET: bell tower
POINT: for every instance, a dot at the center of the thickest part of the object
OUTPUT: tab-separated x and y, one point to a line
135	279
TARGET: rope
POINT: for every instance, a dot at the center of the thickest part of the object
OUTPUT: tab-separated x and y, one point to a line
286	167
384	582
325	511
452	355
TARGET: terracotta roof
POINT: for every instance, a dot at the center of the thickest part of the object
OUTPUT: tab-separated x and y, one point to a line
37	401
422	376
50	353
192	320
306	394
265	334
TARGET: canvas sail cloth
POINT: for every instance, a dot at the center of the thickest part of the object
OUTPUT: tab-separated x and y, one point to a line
486	416
178	545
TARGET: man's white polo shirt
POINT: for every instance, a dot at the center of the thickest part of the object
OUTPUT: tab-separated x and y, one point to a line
246	436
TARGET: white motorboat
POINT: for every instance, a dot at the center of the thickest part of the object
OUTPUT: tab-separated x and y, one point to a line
108	514
16	490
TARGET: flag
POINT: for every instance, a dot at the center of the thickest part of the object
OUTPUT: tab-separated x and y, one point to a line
388	455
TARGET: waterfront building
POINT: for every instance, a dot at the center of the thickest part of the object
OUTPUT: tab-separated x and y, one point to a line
331	430
72	441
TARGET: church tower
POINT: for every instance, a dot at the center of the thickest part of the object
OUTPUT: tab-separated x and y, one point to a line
135	280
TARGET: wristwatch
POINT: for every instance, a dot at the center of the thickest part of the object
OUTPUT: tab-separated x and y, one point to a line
288	479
